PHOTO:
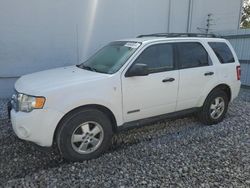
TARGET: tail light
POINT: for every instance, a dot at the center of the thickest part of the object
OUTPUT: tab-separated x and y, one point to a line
238	70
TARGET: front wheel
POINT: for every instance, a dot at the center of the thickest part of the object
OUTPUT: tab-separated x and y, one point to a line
214	108
83	135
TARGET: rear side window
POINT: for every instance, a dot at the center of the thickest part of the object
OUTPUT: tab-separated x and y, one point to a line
222	51
192	54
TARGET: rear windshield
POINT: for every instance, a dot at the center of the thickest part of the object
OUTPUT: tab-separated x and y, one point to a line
222	51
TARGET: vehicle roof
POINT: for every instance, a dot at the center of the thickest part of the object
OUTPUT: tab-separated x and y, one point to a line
158	39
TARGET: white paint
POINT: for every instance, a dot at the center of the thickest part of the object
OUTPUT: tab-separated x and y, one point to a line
70	87
148	93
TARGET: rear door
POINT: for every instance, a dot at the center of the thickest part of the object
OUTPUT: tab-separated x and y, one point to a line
156	93
196	74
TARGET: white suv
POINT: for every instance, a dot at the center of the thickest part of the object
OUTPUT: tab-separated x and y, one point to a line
127	83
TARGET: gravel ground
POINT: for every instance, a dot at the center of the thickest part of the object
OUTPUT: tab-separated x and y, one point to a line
3	108
173	153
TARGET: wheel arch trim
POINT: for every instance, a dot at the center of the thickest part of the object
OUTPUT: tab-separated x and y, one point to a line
223	86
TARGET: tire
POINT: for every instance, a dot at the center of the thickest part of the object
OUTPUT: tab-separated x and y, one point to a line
210	108
84	134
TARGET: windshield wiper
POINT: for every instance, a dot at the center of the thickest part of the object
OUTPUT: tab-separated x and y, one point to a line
87	67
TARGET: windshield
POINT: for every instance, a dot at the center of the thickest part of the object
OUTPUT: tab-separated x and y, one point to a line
111	57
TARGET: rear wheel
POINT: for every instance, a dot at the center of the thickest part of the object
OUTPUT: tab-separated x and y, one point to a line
84	134
214	108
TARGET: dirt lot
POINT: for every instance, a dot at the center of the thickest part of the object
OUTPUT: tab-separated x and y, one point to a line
177	153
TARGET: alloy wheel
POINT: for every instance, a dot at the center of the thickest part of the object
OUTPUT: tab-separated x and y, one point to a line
87	137
217	108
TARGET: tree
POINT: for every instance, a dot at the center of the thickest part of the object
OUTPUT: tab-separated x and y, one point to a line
245	19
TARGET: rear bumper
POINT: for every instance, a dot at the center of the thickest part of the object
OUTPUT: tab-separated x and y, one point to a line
37	126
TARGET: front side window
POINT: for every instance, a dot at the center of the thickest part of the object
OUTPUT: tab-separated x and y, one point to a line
192	54
222	51
111	58
158	58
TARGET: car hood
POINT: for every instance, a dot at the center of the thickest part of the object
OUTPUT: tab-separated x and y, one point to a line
40	82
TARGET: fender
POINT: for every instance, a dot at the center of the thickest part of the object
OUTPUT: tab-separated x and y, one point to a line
114	109
207	91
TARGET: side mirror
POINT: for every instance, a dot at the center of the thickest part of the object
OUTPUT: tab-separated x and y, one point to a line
137	70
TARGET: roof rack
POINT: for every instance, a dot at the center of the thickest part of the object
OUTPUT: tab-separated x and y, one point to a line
169	35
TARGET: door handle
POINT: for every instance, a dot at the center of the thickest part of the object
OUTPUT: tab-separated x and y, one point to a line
168	80
209	73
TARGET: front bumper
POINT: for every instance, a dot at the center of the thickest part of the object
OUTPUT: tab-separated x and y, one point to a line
37	126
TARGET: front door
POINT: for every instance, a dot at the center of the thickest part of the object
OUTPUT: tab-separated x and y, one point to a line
156	93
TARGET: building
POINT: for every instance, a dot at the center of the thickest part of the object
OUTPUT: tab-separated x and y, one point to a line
38	35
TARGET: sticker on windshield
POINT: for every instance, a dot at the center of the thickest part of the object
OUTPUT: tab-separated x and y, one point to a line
132	45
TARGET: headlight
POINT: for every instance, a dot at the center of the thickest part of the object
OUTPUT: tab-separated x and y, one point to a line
26	103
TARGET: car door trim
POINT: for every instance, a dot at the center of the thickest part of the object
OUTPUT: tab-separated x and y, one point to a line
150	120
134	111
